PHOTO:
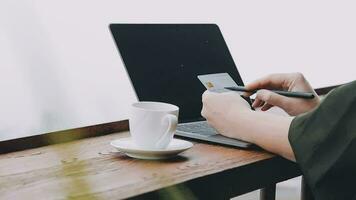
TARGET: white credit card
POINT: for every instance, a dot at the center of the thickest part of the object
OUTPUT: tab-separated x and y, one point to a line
217	82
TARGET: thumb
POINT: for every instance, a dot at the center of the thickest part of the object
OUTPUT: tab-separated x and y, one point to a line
272	98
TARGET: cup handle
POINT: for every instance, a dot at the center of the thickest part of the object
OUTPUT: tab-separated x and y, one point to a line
172	125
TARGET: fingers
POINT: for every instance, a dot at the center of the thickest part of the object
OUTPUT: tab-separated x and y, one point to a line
276	81
247	94
205	95
271	99
257	103
217	102
207	98
266	107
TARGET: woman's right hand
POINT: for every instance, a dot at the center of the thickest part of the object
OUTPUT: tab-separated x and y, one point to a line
290	82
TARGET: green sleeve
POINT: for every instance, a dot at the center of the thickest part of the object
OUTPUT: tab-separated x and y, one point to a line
324	144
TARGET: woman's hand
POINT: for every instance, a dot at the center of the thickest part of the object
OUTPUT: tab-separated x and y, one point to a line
232	116
290	82
225	111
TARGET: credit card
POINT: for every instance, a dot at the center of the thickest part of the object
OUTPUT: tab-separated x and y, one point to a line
217	82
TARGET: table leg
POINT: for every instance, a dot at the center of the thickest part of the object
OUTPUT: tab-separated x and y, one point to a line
306	193
268	193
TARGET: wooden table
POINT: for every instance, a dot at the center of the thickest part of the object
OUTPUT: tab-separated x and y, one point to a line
92	169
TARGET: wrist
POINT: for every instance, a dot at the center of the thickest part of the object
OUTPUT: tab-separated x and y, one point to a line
270	132
241	121
253	125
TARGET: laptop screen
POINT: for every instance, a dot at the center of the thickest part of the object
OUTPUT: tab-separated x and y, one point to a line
163	61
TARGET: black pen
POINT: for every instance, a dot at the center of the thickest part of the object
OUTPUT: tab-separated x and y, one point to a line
304	95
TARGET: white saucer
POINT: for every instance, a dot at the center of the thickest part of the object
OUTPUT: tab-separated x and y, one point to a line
127	146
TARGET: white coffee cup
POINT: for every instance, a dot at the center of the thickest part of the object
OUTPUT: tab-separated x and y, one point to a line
153	124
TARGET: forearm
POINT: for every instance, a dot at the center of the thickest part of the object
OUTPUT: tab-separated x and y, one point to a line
267	131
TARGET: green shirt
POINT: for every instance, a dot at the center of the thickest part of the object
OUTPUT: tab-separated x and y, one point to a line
324	144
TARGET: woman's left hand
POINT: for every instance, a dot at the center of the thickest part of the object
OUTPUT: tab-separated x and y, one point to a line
225	112
232	116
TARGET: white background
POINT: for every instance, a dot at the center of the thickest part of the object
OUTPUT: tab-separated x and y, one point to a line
59	67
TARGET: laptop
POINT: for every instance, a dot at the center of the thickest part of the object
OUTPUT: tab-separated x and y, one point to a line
163	62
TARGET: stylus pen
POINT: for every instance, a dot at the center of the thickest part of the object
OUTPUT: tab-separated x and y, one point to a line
303	95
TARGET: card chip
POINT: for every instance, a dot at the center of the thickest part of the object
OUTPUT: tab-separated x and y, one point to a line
209	85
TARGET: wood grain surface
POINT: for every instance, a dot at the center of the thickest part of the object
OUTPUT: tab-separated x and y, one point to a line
92	169
57	137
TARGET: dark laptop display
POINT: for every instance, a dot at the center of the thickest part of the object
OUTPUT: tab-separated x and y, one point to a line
163	61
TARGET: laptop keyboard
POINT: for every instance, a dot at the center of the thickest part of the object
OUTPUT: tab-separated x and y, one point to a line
201	128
